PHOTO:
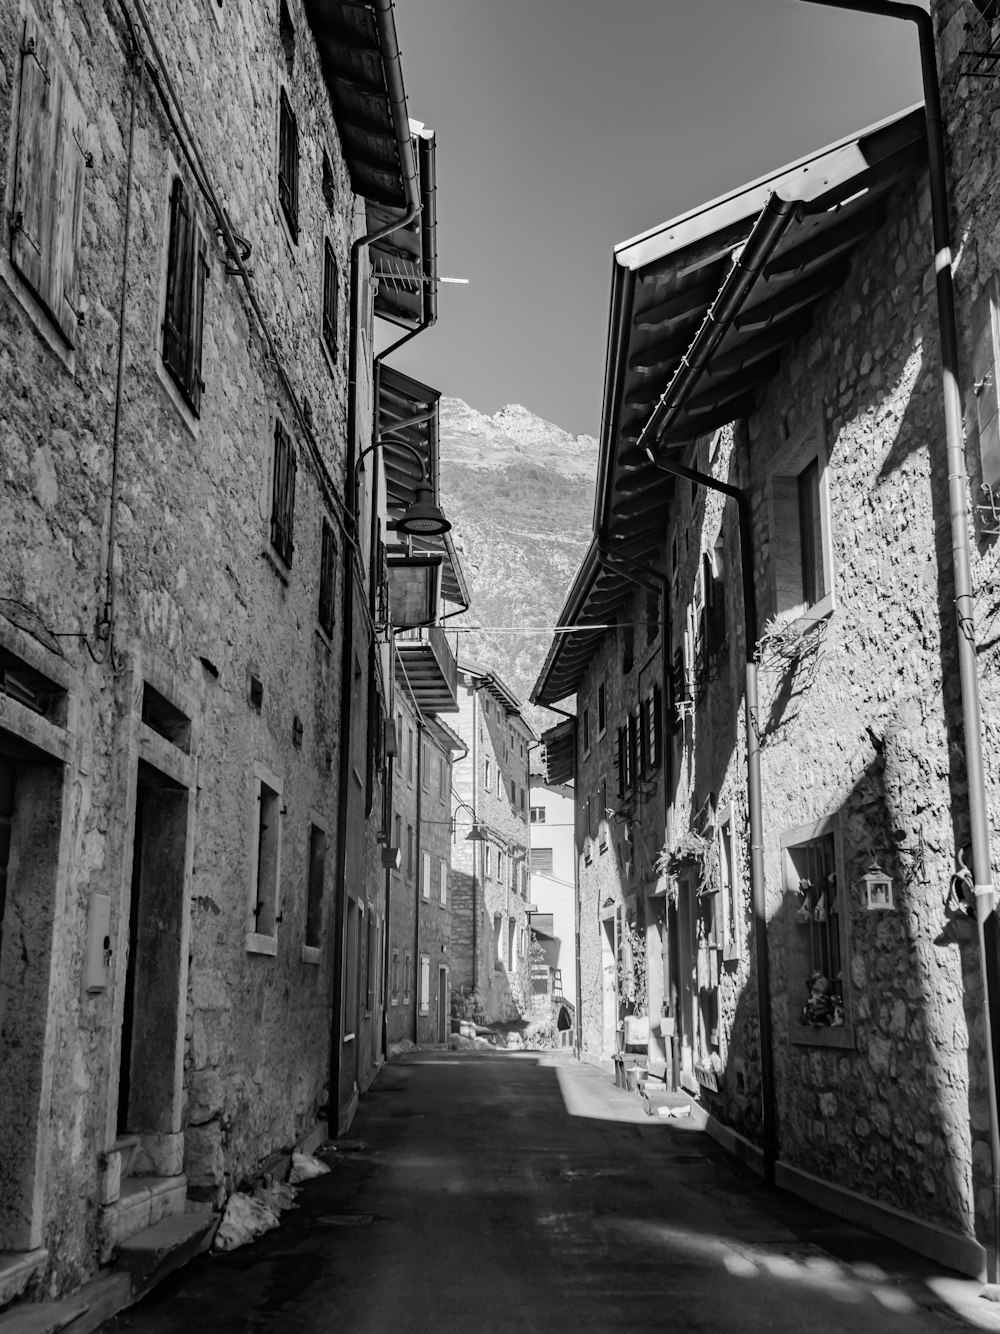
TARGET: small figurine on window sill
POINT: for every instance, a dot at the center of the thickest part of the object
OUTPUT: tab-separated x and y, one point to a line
819	1008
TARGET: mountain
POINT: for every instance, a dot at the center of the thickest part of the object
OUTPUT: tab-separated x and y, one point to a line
519	492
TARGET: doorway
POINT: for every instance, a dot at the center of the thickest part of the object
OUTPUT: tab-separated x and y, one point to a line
442	1033
609	985
152	1033
683	974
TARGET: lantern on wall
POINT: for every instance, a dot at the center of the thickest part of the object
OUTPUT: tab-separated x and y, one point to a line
878	888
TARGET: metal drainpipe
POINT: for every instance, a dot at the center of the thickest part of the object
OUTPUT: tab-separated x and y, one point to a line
475	846
758	888
957	500
418	888
397	99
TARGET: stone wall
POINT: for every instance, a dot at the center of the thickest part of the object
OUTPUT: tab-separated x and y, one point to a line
203	603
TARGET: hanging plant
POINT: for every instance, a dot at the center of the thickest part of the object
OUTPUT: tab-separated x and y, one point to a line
632	981
693	849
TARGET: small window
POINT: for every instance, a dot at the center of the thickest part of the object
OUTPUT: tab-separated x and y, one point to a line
602	814
732	909
487	773
425	767
331	282
266	860
355	925
488	862
816	935
49	176
371	962
397	841
513	793
602	709
409	852
399	740
801	573
652	720
288	164
394	978
327	578
499	782
442	779
628	649
286	35
524	802
652	617
409	755
500	864
443	883
425	876
425	984
541	860
283	493
586	730
314	893
184	309
538	815
407	977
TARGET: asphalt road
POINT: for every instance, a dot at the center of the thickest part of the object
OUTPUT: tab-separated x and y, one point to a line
495	1192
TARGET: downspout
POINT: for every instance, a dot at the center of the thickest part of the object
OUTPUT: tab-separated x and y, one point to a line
957	501
385	23
576	885
475	846
767	231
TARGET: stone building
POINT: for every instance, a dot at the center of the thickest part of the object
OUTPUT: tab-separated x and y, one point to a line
491	972
186	352
419	891
821	1000
551	889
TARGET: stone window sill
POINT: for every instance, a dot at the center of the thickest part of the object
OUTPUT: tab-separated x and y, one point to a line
258	944
802	1035
311	954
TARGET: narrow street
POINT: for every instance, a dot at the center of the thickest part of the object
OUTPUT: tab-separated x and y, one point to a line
517	1192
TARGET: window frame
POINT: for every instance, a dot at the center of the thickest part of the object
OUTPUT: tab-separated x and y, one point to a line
789	603
317	846
182	322
791	841
288	164
327	610
424	994
264	941
284	468
425	876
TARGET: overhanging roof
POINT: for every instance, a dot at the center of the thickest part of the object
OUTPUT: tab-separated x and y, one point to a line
400	400
664	284
497	688
405	261
362	72
560	746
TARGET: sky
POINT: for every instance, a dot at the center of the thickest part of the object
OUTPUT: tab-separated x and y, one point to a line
567	126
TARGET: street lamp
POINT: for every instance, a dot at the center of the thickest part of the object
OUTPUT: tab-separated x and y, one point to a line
423	517
475	834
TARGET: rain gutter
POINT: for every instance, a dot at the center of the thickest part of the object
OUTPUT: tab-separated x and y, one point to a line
389	47
767	231
957	502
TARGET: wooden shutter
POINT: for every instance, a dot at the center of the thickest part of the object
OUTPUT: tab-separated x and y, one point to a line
283	500
196	384
330	284
620	763
288	164
48	182
176	314
327	577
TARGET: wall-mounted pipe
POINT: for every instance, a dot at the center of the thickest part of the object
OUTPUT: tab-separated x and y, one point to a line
961	562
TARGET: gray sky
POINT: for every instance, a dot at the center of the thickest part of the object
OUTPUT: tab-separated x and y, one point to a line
566	126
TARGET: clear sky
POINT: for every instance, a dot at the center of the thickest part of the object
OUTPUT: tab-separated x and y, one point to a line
566	126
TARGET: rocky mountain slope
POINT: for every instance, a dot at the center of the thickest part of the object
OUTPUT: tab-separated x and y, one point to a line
520	494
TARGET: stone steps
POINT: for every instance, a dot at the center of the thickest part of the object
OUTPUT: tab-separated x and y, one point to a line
148	1256
17	1269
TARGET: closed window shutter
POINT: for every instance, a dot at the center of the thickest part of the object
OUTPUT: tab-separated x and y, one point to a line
656	727
49	182
176	315
620	762
283	503
196	321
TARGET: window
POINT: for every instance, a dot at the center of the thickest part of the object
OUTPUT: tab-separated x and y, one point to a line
602	709
394	978
499	782
442	779
409	852
628	649
286	35
652	617
371	962
407	977
732	910
327	577
399	741
487	774
513	793
816	936
443	883
283	494
602	814
331	286
500	866
524	802
425	768
265	862
314	892
409	754
184	308
652	723
425	984
541	860
801	564
488	863
985	361
586	730
49	175
538	815
425	875
355	927
397	841
288	164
